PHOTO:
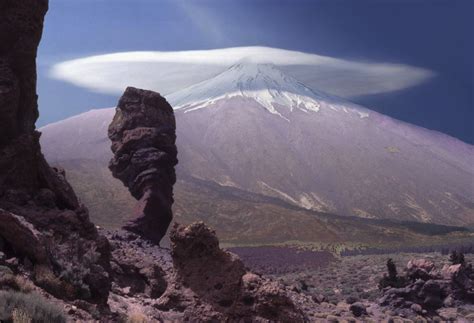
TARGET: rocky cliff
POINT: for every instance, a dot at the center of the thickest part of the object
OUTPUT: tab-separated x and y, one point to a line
143	134
41	220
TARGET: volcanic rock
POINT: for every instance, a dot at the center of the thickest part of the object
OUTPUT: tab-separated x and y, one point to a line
431	289
42	224
137	267
211	284
358	309
419	268
23	236
143	142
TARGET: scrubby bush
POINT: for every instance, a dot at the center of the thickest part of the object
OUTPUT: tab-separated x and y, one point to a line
8	281
20	316
24	285
75	275
11	281
21	306
75	269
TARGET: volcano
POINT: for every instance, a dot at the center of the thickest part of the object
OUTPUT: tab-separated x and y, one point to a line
255	129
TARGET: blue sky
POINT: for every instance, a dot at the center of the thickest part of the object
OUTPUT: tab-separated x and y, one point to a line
436	35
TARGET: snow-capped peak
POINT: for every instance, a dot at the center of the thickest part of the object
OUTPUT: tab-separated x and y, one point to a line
264	83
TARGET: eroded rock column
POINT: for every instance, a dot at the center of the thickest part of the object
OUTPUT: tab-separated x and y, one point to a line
143	135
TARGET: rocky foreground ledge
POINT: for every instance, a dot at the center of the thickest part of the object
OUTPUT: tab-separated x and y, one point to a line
195	281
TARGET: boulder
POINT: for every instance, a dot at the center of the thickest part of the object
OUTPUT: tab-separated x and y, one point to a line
451	271
419	269
416	308
358	309
24	239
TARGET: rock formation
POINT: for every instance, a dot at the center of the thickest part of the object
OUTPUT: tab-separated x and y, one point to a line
210	284
143	142
196	282
42	223
427	288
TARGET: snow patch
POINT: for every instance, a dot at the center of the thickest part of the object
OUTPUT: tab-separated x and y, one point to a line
277	92
263	83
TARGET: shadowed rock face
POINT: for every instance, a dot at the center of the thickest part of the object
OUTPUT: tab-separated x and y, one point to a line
21	25
143	142
22	165
41	221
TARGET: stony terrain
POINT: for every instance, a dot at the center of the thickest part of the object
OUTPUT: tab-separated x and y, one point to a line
146	286
354	279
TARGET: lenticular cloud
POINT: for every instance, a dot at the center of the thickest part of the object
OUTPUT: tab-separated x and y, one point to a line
167	72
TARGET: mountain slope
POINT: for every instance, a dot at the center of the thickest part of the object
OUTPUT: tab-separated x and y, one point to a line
241	218
258	130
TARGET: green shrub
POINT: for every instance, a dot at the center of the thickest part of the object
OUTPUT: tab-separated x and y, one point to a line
32	306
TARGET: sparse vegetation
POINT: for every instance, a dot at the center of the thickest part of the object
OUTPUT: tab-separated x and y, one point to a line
22	308
15	282
76	269
20	316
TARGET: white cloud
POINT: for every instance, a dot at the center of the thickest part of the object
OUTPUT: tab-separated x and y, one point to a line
167	72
